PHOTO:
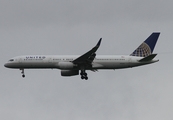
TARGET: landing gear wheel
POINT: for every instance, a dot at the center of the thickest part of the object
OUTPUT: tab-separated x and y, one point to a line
83	75
23	74
86	78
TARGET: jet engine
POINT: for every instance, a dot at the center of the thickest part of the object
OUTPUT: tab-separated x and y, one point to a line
69	72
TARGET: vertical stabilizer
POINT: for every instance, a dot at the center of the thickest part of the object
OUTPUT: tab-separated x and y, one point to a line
147	47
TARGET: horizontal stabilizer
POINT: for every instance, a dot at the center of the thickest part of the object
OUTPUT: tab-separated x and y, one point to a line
148	58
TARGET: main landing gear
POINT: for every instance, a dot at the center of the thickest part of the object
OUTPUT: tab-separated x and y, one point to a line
83	75
23	74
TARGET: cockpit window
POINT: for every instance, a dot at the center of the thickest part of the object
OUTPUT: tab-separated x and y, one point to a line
11	60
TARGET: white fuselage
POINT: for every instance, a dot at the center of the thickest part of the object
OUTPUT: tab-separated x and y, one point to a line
53	61
71	65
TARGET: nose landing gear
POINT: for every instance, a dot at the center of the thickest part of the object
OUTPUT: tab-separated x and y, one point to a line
23	74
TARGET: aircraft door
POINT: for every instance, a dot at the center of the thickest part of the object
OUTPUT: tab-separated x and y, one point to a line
129	62
20	60
50	60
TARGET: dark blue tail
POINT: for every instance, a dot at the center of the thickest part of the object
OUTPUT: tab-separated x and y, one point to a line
147	47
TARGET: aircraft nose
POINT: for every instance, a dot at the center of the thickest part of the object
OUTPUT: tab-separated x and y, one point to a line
6	65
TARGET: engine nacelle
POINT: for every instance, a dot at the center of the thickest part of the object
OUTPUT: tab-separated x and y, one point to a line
65	65
69	72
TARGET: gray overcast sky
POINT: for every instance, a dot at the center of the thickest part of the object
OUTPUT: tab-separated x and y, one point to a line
74	27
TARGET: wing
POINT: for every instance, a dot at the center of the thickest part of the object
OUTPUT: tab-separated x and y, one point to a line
87	58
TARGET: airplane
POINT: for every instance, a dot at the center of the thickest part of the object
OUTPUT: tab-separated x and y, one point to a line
71	65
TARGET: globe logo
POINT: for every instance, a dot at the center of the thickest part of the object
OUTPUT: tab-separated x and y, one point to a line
143	50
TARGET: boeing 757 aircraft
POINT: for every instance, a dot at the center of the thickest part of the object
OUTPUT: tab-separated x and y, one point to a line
71	65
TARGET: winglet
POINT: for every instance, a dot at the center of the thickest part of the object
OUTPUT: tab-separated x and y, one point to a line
99	42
